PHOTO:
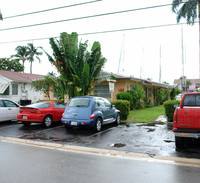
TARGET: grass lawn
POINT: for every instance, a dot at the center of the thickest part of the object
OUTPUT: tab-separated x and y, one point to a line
145	115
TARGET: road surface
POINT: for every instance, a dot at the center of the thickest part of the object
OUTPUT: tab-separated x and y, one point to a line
24	163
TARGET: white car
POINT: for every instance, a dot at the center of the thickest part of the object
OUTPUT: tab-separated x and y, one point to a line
8	110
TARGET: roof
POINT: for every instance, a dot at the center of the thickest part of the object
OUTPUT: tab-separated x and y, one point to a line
131	78
20	77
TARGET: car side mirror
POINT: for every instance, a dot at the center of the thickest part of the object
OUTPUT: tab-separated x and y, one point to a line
112	106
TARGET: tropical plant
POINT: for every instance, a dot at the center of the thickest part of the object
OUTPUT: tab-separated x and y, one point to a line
33	52
8	64
1	17
44	85
188	9
77	67
21	55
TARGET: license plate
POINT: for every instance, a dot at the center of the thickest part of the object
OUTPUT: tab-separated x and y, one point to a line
74	123
24	117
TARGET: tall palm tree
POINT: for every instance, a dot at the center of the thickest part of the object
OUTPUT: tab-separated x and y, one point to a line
1	17
33	52
21	54
77	67
190	10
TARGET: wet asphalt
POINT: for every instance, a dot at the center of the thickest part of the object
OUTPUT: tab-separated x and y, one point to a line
154	139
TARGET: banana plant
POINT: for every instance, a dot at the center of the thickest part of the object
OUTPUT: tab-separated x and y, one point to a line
77	66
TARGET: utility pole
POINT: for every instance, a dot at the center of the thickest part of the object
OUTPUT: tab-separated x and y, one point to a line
160	67
121	58
183	77
141	67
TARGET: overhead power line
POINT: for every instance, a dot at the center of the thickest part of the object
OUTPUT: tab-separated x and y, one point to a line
42	11
85	17
101	32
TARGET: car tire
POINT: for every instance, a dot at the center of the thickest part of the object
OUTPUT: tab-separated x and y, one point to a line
179	143
25	123
98	125
117	121
48	121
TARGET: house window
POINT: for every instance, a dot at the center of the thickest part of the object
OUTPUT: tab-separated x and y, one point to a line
149	92
6	92
14	89
132	87
102	91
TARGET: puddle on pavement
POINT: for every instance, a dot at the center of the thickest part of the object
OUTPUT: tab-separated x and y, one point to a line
168	141
166	149
150	129
54	139
118	145
154	123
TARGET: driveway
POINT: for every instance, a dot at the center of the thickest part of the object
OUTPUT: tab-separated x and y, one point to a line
155	138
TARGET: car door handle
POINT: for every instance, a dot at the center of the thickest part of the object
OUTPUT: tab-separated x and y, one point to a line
9	109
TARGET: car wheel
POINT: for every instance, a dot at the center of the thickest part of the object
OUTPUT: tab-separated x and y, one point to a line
98	125
26	123
117	121
179	142
47	121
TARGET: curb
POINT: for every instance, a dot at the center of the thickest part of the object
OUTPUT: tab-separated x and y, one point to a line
106	152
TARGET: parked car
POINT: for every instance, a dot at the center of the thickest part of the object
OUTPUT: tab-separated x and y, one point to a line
89	111
42	112
8	110
179	96
186	120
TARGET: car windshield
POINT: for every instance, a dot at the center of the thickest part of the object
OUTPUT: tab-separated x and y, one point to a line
39	105
79	102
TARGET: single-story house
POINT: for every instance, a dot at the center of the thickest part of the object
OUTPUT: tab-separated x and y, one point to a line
109	88
16	86
109	85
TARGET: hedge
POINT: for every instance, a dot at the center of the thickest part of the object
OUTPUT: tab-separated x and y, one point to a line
123	106
169	109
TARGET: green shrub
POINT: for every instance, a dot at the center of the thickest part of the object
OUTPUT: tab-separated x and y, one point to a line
148	102
134	96
162	95
123	106
169	109
123	96
175	91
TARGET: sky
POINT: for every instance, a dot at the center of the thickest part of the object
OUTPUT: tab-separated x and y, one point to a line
136	52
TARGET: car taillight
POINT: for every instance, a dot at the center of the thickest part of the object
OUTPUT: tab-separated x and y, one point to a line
36	111
175	117
20	111
92	116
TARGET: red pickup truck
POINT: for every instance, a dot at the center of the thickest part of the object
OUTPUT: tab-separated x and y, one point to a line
186	119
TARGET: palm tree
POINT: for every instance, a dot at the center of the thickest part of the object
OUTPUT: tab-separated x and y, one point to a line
1	17
32	53
21	54
77	67
190	10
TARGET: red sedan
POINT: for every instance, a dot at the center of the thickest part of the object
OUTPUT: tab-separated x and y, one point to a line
42	112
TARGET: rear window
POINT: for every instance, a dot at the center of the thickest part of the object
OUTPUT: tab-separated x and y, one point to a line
59	105
191	100
40	105
79	102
